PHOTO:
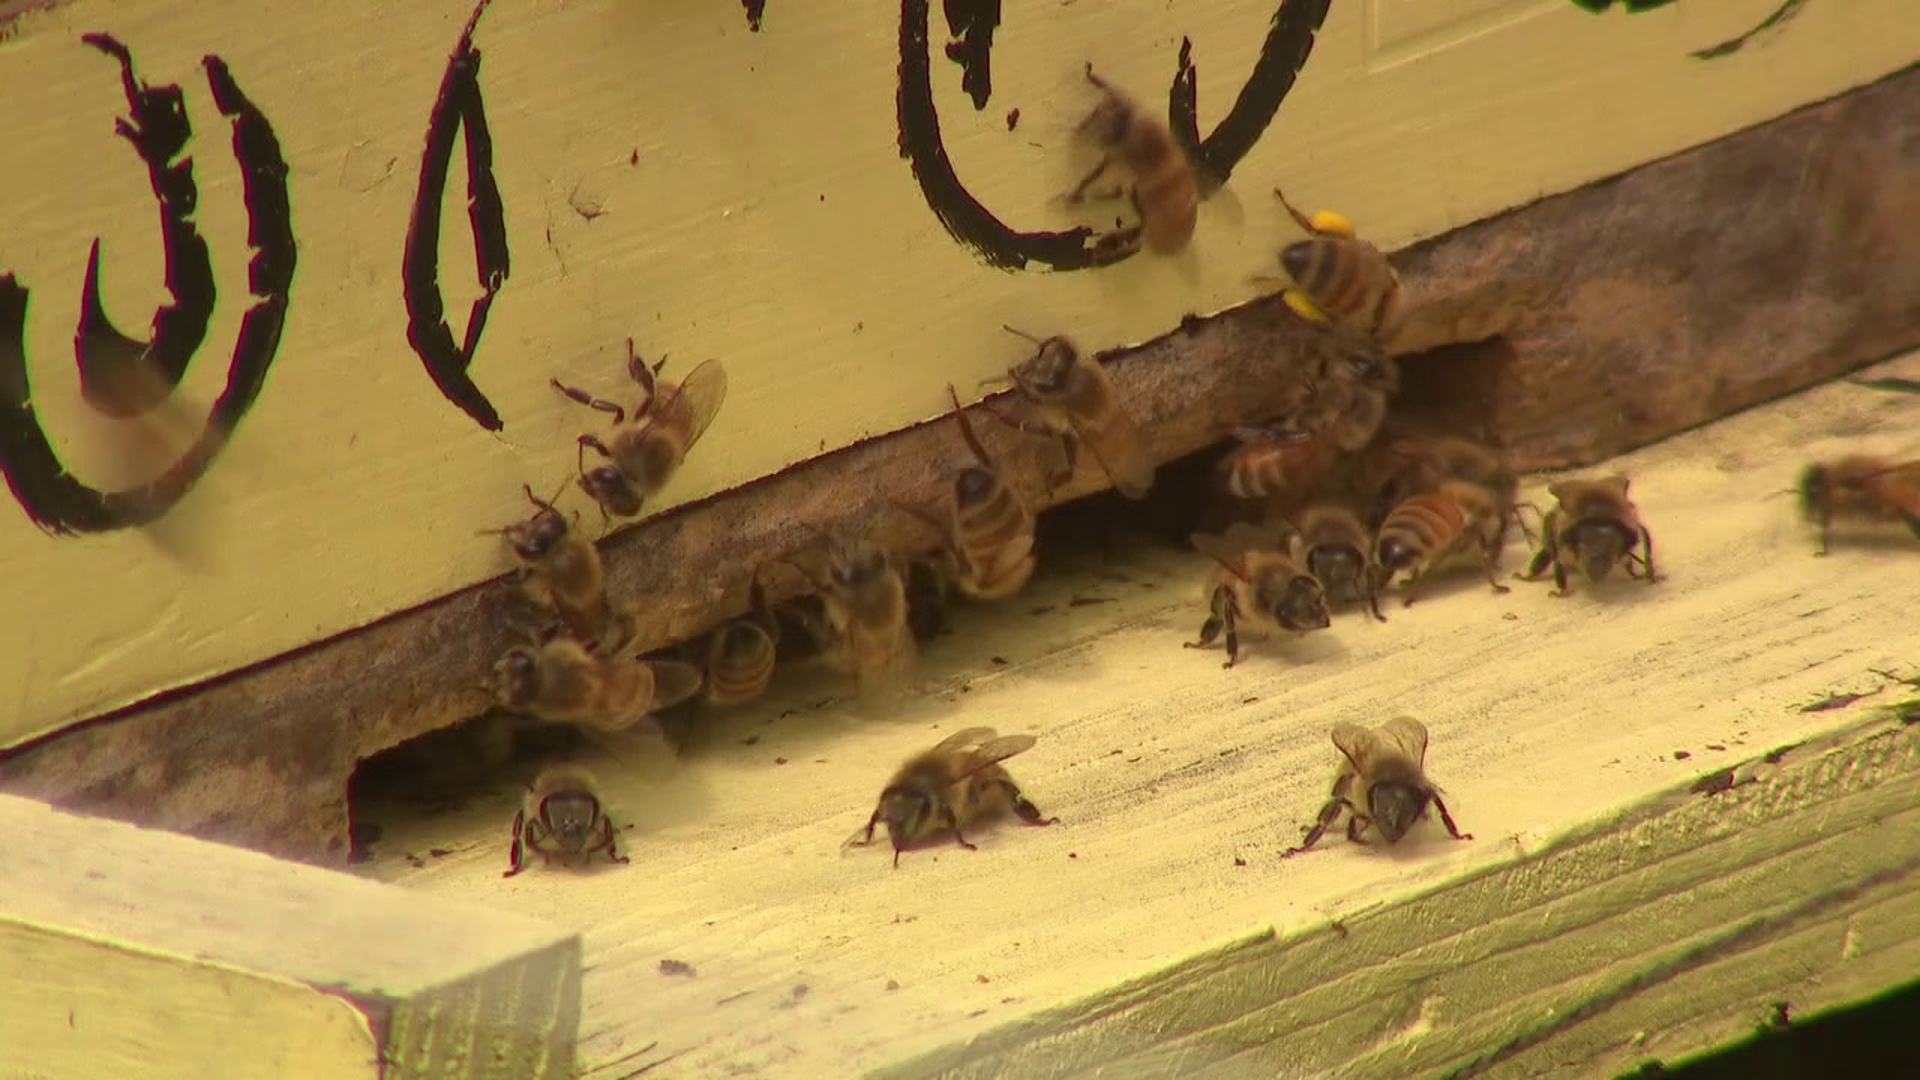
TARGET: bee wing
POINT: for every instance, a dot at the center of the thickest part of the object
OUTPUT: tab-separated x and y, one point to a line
674	682
1219	550
1360	745
999	749
973	736
701	393
1407	736
1121	452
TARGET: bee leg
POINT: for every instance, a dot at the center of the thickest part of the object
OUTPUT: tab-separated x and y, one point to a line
1209	630
1407	588
1024	808
1356	827
1304	306
1328	814
1373	601
1559	574
1233	633
591	402
1447	820
1542	558
639	371
517	855
1300	219
1826	530
1079	192
605	844
1646	541
1493	571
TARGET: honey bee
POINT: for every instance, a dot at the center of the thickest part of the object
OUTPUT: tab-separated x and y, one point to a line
1281	467
562	821
560	569
643	451
1336	548
1382	785
1594	525
741	654
1860	488
1429	531
1406	464
957	784
863	623
987	531
1165	191
561	681
1339	278
1256	584
1351	398
1075	402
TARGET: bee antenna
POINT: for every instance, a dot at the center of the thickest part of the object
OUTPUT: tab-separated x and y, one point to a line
1023	334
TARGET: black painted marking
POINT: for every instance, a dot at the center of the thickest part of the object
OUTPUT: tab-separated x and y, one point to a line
54	498
972	23
756	11
1289	42
263	181
1772	22
1632	7
157	127
460	107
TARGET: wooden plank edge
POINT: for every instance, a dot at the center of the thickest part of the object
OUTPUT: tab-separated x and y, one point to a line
1376	990
437	987
1624	312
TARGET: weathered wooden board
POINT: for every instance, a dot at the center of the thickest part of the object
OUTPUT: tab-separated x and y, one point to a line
1584	369
651	171
1554	721
134	952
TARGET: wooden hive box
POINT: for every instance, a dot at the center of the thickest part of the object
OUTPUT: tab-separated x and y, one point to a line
1611	227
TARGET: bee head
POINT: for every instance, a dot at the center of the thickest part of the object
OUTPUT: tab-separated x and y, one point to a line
1050	368
974	486
516	675
609	487
1394	806
907	810
1600	544
1396	554
1335	562
1302	606
535	538
859	566
570	817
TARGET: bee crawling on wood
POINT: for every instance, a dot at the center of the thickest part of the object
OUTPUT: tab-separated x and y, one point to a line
1256	586
561	820
1339	278
1862	488
1594	526
863	624
645	449
560	570
985	530
741	654
1165	189
1074	400
561	681
1427	532
1382	784
954	786
1335	546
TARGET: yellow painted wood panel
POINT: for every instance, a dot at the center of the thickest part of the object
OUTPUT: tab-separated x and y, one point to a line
136	952
666	173
1554	721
